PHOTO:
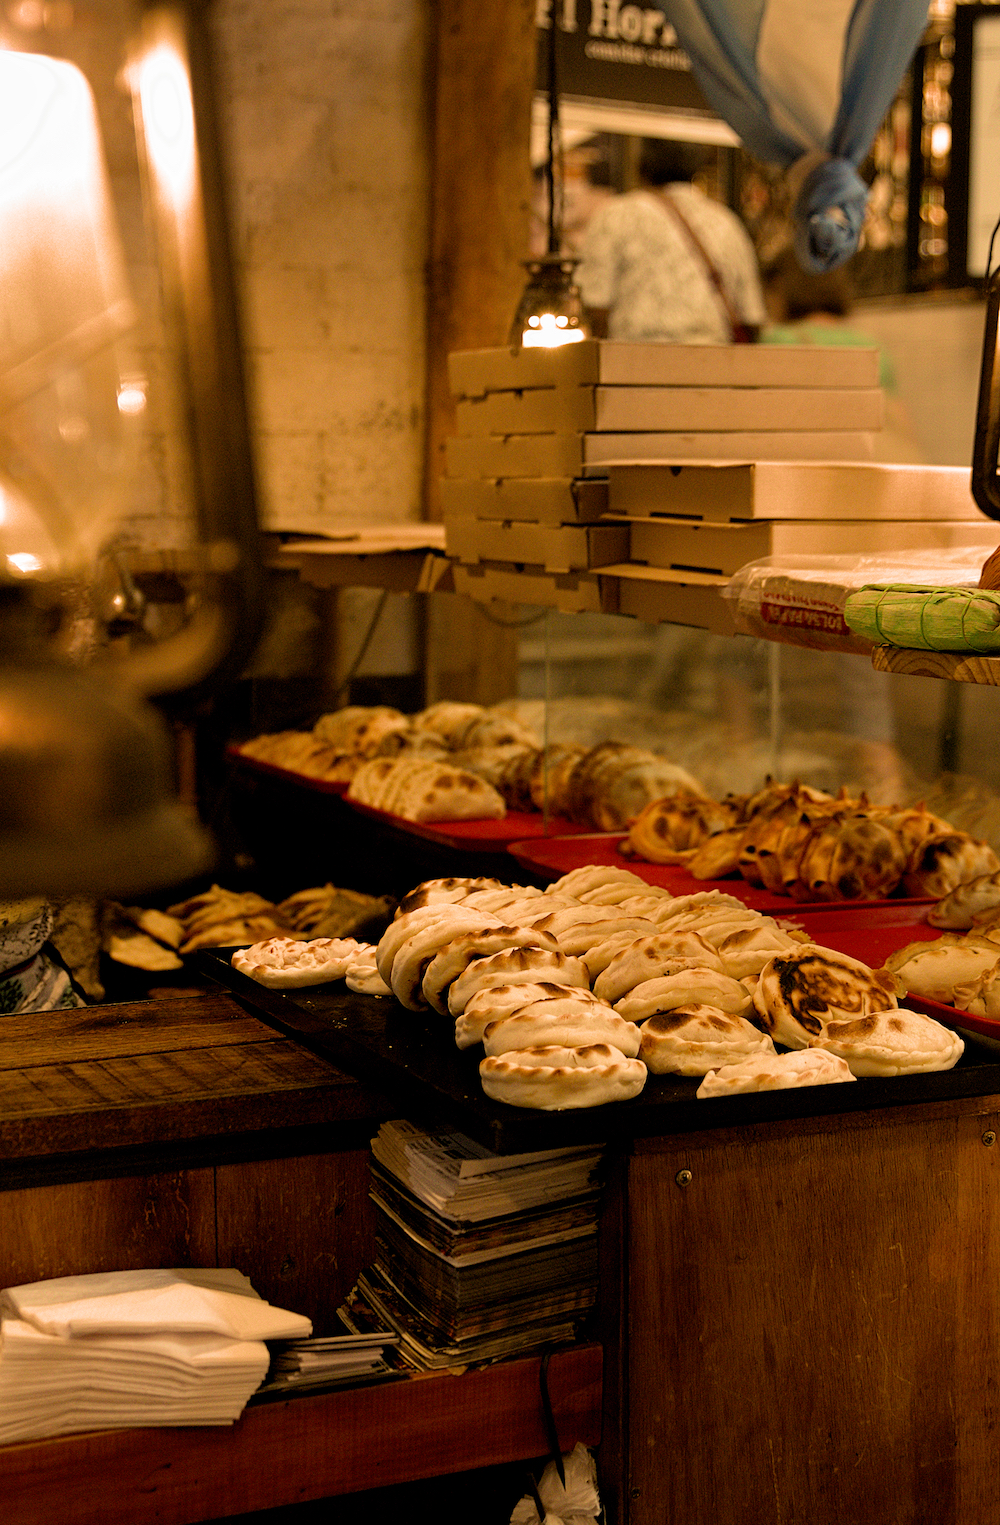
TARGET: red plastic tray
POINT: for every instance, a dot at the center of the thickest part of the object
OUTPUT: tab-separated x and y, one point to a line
869	932
556	856
256	765
474	836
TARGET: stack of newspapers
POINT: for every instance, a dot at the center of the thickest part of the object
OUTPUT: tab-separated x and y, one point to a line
478	1255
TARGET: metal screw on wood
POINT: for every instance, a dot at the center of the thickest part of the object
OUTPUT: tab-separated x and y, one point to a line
684	1178
989	1138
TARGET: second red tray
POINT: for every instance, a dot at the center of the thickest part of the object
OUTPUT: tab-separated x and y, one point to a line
554	856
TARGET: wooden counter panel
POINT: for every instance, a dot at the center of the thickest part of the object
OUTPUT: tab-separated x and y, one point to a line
119	1225
301	1228
308	1448
131	1028
814	1331
107	1077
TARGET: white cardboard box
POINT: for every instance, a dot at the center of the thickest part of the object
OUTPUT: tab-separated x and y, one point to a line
726	490
606	362
569	455
539	500
608	409
724	548
557	548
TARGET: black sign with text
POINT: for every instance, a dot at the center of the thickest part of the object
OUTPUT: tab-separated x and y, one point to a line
609	51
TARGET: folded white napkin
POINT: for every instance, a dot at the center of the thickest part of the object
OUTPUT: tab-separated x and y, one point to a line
198	1301
125	1349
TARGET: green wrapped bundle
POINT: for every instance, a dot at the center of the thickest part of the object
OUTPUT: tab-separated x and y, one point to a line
930	619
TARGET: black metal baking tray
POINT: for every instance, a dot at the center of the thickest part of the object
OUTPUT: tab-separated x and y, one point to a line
411	1057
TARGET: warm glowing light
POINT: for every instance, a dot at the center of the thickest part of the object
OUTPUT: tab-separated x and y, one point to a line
64	308
168	123
551	331
132	398
940	140
30	14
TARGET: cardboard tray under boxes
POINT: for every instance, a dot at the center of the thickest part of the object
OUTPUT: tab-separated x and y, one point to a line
637	478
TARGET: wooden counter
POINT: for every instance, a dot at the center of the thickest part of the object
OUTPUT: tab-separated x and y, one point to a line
798	1317
173	1133
188	1132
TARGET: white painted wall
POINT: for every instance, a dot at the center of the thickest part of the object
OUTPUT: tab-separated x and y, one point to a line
936	347
325	109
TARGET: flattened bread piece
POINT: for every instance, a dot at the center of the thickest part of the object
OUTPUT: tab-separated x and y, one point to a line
622	892
799	993
595	876
596	1075
287	963
445	892
362	973
645	958
577	928
495	1002
600	955
898	1042
516	966
747	949
946	860
934	969
433	791
807	1067
403	927
569	1020
693	986
166	929
412	960
129	946
695	1039
454	958
967	903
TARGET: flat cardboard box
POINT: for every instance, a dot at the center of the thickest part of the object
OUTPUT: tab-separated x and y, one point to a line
557	548
569	593
607	362
537	500
726	490
660	596
569	455
724	548
608	409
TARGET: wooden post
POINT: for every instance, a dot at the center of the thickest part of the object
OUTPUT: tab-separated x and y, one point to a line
483	62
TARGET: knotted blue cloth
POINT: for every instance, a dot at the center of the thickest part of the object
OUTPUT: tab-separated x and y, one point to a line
801	78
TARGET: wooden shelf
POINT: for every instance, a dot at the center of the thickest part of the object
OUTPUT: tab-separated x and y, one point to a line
305	1448
960	666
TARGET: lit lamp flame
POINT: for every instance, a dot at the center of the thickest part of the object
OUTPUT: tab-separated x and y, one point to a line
550	312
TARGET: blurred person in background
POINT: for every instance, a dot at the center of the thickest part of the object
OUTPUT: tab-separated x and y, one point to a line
816	309
666	263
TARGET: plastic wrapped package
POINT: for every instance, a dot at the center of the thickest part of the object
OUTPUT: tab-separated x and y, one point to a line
800	599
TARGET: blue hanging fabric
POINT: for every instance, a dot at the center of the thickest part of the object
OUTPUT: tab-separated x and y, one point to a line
805	84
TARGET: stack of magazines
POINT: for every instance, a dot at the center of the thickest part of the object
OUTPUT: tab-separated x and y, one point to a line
478	1255
338	1360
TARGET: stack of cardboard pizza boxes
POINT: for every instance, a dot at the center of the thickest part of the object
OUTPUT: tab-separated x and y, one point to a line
529	498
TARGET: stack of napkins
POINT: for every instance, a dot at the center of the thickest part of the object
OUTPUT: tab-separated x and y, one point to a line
124	1349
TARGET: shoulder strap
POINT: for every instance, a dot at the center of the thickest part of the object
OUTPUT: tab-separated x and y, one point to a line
671	208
